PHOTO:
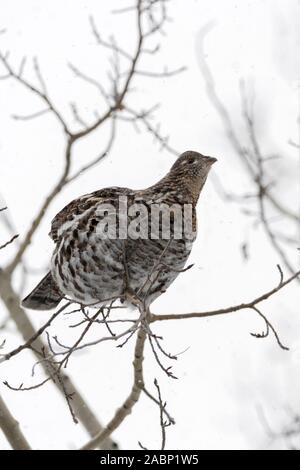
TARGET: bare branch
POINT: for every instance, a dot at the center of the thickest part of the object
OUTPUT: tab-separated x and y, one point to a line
90	80
167	370
143	117
98	159
168	416
164	74
37	334
131	400
9	242
28	117
269	326
163	424
41	94
109	45
11	429
224	311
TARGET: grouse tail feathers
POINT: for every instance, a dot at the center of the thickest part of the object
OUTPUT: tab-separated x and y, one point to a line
44	296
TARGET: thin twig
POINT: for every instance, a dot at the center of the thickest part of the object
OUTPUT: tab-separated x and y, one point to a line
163	424
227	310
9	242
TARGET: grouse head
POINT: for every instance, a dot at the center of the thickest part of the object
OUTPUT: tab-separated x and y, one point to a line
190	172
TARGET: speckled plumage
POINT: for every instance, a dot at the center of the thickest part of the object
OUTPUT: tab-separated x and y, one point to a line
92	271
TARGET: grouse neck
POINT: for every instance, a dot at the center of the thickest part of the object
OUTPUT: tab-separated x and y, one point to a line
186	189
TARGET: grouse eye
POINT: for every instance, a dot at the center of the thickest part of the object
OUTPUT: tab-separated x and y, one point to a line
191	160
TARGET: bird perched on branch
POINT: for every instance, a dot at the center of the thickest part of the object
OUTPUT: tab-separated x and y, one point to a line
118	243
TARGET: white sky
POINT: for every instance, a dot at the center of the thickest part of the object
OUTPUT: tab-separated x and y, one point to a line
225	374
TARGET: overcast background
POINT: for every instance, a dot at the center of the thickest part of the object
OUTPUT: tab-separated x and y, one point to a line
226	376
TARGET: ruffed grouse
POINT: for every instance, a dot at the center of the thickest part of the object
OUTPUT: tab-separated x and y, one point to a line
92	269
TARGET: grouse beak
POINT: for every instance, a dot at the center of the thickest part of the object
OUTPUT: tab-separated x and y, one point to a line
212	160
